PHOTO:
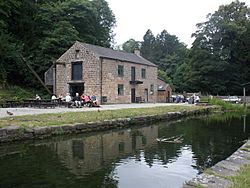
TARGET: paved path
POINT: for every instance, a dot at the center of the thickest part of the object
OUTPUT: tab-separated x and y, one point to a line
30	111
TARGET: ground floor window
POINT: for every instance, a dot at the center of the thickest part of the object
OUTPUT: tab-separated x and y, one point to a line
120	89
152	89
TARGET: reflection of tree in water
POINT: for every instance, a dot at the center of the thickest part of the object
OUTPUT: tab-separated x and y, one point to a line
91	160
211	139
164	152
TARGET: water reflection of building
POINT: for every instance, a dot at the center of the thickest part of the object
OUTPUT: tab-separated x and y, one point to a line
88	154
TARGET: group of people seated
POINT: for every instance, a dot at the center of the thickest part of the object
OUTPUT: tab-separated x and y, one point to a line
193	99
78	101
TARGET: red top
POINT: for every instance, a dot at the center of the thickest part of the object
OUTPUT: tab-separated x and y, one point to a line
85	98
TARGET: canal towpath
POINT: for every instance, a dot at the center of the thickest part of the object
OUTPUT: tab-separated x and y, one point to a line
32	111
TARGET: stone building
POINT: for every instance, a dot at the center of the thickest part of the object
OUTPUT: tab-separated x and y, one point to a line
164	91
113	76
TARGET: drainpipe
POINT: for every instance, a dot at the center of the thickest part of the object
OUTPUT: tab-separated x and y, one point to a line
244	96
101	80
54	79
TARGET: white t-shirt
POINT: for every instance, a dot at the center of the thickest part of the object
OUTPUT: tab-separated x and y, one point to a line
53	97
68	98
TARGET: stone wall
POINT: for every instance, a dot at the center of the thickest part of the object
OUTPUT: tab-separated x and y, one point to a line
111	80
91	71
100	76
218	175
15	133
164	91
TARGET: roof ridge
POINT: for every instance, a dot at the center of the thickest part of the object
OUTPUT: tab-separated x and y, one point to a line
84	43
116	54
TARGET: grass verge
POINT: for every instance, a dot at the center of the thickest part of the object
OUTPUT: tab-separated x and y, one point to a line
90	116
227	106
242	179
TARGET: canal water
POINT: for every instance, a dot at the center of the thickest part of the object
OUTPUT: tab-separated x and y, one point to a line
128	158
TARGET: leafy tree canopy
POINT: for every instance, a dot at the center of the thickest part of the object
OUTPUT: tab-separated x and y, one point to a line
166	51
42	30
131	45
220	54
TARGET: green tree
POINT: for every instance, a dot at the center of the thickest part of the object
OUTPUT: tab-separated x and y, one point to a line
163	75
9	47
105	22
131	45
42	30
166	51
148	46
221	52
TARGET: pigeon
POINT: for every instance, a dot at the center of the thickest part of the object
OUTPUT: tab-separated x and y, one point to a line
9	113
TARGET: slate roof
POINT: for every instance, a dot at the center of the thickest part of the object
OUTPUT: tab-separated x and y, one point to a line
117	55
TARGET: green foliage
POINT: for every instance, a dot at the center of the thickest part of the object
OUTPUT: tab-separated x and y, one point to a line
42	30
220	52
217	63
131	45
226	105
163	75
167	52
15	93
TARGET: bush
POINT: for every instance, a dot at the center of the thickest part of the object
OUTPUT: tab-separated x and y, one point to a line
226	105
16	93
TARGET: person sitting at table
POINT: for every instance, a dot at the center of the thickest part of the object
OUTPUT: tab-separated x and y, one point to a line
85	99
38	97
77	100
53	98
60	97
94	101
68	98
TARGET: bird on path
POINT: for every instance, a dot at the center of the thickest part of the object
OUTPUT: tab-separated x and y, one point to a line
9	113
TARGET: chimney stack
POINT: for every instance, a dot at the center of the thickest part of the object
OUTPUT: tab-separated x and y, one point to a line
137	52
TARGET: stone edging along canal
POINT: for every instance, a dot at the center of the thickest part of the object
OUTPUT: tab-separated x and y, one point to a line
16	133
217	176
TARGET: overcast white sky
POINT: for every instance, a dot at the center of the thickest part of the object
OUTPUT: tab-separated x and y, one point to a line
178	17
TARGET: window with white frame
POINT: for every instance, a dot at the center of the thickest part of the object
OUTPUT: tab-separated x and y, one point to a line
120	89
143	73
120	70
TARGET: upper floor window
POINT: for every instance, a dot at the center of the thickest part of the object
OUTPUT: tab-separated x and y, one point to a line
132	73
120	89
76	73
120	70
143	73
77	54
